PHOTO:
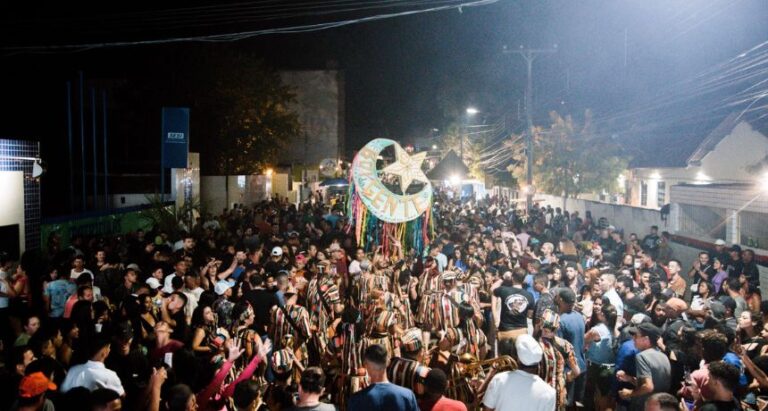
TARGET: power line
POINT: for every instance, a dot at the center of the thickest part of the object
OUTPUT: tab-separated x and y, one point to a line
227	37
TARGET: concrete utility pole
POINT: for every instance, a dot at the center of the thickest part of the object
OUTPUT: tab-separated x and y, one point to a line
529	55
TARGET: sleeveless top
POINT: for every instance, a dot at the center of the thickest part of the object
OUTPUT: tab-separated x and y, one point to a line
601	351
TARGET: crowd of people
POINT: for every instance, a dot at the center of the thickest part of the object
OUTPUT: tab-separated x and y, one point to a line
276	307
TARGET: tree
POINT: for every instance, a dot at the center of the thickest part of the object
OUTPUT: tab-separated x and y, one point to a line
570	158
246	111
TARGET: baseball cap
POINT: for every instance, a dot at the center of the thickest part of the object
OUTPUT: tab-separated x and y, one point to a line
736	248
639	318
529	351
647	329
717	310
277	251
222	286
133	266
719	241
677	304
153	283
35	384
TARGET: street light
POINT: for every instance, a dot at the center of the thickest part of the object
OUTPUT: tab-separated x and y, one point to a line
472	111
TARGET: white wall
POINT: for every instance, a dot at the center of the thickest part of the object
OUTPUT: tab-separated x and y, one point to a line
127	200
12	206
631	219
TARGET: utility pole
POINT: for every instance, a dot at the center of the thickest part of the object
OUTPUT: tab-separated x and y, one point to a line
530	55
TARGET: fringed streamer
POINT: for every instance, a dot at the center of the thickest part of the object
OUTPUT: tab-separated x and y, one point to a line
370	232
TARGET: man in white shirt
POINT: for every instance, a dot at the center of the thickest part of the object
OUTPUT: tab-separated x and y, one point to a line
78	268
180	271
608	286
93	374
521	389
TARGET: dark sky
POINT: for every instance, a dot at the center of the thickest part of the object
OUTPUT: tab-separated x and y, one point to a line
402	74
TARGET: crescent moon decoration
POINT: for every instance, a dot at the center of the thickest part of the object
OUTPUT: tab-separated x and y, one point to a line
380	215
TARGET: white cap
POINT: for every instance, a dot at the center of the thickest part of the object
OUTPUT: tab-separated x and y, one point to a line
277	251
221	287
719	241
529	351
168	283
153	283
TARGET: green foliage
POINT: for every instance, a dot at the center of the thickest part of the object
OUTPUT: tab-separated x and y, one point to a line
169	218
472	149
570	158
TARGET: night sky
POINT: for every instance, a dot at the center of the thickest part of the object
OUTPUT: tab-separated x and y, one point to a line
403	75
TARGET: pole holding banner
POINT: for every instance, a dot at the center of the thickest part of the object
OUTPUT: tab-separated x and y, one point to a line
174	142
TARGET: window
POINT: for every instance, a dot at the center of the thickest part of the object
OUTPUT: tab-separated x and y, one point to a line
702	222
643	193
661	194
753	228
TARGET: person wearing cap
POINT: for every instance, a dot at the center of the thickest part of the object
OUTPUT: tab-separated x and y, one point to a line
409	370
32	390
434	399
651	242
521	389
653	370
222	305
557	355
280	326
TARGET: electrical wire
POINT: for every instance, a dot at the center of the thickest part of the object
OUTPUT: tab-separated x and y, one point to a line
227	37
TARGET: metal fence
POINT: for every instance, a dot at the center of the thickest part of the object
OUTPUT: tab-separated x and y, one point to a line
700	221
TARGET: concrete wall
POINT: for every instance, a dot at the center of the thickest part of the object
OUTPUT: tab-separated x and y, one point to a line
631	219
639	220
12	208
220	192
319	105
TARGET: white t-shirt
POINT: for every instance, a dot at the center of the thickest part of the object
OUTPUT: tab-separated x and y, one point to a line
519	390
92	375
74	274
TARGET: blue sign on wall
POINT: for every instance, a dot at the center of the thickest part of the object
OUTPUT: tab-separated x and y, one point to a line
175	137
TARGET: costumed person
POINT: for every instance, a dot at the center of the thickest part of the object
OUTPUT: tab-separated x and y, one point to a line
427	292
409	370
557	353
293	320
324	303
381	324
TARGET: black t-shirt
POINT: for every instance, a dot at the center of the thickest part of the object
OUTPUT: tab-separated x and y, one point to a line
515	304
262	302
180	330
721	406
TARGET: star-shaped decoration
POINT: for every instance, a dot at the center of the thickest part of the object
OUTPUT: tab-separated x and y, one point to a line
407	167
